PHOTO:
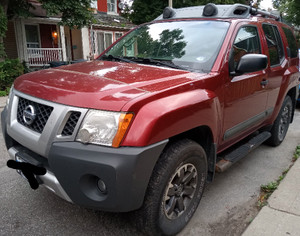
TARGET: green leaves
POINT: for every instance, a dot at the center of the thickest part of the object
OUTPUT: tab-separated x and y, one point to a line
3	28
10	69
267	189
18	8
297	153
3	22
290	10
74	13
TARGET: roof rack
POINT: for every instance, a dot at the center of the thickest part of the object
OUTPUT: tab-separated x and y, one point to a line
211	10
255	11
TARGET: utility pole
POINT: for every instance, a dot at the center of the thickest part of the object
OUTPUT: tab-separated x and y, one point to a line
170	3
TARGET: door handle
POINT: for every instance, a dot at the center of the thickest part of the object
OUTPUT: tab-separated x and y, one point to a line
264	82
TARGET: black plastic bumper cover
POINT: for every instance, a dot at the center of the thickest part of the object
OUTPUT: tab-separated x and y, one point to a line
125	171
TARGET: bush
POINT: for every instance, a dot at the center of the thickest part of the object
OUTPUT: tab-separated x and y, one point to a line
10	69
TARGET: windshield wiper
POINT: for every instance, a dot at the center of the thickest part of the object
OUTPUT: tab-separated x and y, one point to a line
159	63
111	57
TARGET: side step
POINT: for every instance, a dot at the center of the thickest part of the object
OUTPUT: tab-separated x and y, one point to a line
242	151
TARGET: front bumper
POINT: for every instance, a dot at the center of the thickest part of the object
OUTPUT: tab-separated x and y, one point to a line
74	169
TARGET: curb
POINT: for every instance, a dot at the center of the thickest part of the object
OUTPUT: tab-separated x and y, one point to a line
282	214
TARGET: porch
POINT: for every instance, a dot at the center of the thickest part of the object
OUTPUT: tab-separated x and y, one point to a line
36	41
41	57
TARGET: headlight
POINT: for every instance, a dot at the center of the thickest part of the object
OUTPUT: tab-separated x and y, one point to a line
104	127
9	95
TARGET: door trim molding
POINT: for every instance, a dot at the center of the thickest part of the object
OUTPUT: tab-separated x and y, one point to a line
246	124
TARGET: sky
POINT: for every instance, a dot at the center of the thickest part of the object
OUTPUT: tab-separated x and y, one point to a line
265	4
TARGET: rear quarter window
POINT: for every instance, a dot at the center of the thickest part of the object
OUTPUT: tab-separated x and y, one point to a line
291	42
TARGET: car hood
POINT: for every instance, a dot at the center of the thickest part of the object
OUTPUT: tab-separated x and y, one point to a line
100	84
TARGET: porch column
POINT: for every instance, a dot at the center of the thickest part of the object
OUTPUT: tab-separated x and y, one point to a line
21	40
63	42
85	43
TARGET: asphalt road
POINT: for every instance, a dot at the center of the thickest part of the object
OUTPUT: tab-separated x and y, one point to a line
227	207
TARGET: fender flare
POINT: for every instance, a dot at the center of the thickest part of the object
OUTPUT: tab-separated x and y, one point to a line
171	115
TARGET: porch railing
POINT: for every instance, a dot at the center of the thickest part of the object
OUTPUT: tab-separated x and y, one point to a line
42	56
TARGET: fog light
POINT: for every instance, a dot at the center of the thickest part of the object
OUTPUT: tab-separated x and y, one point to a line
102	186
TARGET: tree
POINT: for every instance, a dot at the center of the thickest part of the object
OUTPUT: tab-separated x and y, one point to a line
290	10
73	13
3	28
147	10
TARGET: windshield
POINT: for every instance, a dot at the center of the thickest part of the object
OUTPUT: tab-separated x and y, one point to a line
188	45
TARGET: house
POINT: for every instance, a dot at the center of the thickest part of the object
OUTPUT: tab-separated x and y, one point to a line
39	40
110	26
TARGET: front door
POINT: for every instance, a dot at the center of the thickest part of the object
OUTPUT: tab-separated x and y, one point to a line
245	95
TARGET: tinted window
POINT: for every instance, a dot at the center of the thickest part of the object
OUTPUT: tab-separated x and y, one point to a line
192	45
274	44
291	41
246	42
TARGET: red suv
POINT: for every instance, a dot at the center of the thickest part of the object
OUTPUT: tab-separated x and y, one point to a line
145	126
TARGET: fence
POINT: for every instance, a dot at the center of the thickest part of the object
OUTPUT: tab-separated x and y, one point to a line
42	56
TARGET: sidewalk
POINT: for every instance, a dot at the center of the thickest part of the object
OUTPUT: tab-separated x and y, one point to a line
282	214
3	101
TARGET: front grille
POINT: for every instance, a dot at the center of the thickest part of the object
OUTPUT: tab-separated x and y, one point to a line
43	113
71	124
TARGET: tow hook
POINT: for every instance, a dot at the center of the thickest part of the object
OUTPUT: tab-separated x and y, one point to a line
28	170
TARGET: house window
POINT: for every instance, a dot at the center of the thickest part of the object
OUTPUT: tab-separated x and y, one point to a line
112	6
118	35
94	4
32	36
104	40
108	40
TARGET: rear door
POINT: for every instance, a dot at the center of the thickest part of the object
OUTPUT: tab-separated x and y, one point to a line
278	63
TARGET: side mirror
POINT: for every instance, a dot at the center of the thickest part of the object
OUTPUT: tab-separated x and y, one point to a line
251	63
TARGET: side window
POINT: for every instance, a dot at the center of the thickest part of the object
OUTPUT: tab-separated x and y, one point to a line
246	42
291	42
274	44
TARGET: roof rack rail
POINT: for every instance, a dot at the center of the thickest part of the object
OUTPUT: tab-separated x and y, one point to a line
255	11
211	10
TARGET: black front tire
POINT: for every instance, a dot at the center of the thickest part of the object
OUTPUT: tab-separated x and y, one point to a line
175	189
281	124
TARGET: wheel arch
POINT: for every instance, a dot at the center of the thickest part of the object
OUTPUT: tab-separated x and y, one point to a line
204	137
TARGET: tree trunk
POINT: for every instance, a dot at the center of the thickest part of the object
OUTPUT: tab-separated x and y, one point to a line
2	52
4	4
3	16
